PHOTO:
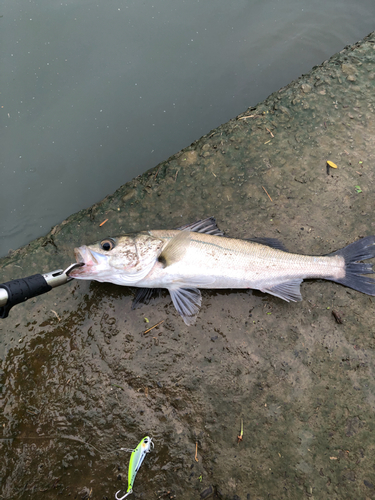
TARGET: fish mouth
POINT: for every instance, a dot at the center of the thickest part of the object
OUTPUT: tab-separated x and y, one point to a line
71	268
86	260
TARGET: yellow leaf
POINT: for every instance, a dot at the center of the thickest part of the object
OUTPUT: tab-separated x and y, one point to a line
331	164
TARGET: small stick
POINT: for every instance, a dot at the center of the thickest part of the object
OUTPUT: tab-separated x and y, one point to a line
246	117
157	324
267	193
119	386
196	452
268	130
55	313
102	223
239	438
157	172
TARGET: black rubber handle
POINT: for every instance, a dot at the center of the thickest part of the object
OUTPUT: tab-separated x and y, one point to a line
22	289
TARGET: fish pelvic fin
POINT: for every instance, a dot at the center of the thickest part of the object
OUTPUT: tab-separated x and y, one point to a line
187	302
354	269
289	290
175	249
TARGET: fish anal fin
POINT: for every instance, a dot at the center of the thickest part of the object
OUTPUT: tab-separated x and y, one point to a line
175	249
288	290
207	226
144	295
187	302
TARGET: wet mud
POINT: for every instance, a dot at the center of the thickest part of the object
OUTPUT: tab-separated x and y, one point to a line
81	376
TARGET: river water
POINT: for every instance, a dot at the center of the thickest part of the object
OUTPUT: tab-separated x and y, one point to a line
93	93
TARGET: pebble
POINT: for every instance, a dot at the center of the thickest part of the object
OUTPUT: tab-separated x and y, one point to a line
306	88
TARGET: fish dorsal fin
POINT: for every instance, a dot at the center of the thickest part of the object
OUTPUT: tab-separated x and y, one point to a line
175	249
187	302
289	290
207	226
144	296
270	242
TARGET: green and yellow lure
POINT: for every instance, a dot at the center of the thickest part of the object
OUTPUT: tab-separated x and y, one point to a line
136	459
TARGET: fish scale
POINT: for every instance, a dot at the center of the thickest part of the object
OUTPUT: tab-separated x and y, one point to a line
198	256
235	263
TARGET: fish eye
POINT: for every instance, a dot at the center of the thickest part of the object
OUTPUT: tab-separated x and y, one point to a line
107	244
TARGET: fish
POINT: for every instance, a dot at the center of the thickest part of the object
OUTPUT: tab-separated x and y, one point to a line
198	256
136	459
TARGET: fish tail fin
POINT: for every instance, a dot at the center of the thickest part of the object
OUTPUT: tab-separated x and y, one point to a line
355	269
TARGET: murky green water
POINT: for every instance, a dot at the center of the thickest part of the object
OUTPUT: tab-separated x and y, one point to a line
95	93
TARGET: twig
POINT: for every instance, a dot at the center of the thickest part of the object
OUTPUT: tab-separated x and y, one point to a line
119	386
196	452
157	173
157	324
102	223
55	313
268	130
239	438
248	116
265	190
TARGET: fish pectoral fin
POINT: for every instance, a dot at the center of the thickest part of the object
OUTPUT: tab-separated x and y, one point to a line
207	226
289	290
175	249
187	302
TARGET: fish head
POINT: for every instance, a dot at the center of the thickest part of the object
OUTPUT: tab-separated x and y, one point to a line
123	260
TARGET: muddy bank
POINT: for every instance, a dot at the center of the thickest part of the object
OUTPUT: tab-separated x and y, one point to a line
79	379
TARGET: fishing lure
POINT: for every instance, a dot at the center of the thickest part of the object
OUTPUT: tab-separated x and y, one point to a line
136	459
